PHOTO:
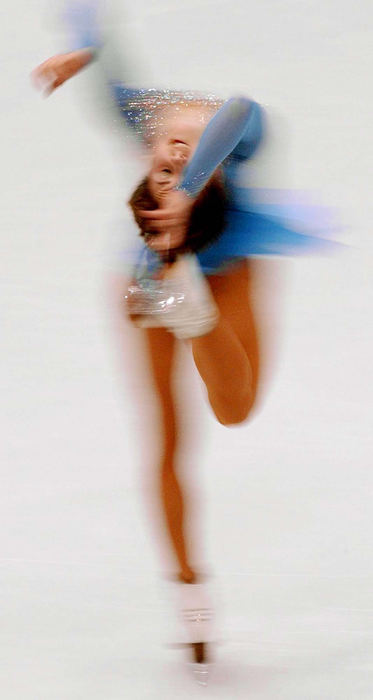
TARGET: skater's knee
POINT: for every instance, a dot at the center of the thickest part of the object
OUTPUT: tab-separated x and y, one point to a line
235	411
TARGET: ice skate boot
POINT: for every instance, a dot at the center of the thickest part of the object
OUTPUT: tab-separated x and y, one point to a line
192	309
148	301
197	618
178	299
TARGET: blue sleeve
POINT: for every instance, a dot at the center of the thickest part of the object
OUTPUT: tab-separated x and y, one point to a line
235	130
81	18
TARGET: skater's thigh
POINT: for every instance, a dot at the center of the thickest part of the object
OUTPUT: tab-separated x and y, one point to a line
233	293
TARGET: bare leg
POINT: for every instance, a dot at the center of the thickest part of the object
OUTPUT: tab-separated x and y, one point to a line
227	358
160	353
228	361
161	346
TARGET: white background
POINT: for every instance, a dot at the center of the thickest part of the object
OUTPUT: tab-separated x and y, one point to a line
285	501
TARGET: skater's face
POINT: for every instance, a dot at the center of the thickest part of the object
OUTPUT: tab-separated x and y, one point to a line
173	147
170	156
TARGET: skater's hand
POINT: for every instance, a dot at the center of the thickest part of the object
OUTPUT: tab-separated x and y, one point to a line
167	226
57	69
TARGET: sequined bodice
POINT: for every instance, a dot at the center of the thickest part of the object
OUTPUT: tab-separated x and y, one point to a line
145	109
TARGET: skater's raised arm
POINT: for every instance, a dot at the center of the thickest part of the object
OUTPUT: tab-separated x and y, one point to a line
85	41
83	23
53	72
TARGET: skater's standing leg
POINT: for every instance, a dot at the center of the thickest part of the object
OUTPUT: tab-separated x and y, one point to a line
161	350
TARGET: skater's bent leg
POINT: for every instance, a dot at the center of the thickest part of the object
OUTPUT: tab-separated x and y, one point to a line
161	349
227	358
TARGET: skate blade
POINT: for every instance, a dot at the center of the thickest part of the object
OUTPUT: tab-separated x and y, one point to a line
201	665
201	673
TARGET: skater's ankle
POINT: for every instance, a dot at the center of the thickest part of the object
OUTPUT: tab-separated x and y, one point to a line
187	576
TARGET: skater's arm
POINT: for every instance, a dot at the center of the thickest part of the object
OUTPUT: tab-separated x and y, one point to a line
86	39
235	130
56	70
81	21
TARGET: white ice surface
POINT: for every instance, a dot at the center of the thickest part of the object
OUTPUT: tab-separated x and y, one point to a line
286	501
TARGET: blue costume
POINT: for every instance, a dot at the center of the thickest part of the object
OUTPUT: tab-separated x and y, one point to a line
231	137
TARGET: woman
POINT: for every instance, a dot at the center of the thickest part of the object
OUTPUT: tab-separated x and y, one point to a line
197	239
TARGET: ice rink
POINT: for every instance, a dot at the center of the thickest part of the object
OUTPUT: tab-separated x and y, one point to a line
286	525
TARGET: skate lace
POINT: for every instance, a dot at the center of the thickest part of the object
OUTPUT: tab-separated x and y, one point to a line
197	614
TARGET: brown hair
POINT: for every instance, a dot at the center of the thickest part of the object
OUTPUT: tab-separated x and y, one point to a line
207	217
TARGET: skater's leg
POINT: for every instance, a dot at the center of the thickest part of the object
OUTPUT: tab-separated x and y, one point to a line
227	358
161	350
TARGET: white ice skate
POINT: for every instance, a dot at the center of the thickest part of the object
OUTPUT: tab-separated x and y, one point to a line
197	616
196	314
180	301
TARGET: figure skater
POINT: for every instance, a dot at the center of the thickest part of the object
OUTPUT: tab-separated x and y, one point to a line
193	278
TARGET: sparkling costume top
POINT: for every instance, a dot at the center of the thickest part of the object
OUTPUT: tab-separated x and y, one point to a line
230	138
